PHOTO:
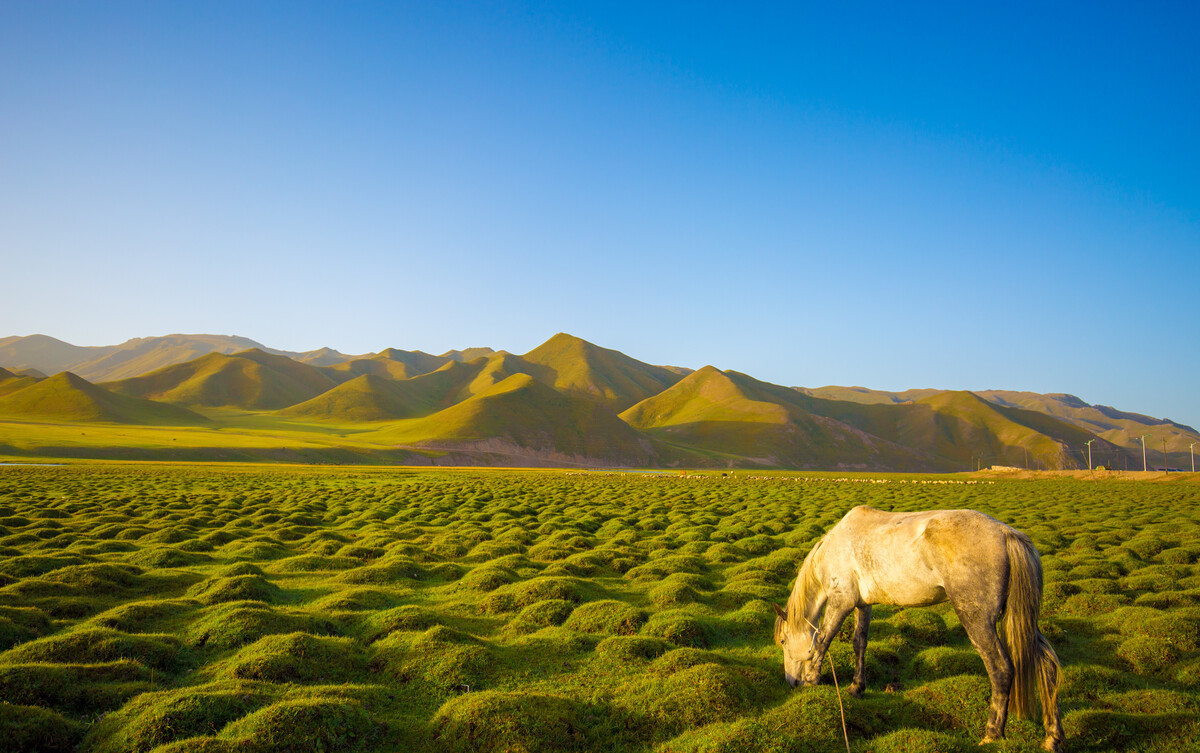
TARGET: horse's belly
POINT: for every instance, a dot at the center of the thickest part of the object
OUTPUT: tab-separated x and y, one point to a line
905	592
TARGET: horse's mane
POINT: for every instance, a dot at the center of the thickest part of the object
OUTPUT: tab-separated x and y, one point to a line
808	585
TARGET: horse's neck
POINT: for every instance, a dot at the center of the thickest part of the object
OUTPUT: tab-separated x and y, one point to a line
808	597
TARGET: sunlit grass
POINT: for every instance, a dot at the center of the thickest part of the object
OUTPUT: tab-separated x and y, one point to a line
239	607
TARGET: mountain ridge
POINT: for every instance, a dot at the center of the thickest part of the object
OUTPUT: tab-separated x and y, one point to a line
578	402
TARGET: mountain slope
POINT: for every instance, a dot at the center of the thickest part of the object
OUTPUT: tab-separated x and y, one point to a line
367	398
1119	427
383	398
608	377
11	382
68	397
44	353
250	379
865	395
390	363
520	413
963	427
468	354
737	416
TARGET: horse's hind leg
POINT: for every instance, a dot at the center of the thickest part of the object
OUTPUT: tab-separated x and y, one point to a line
981	629
862	624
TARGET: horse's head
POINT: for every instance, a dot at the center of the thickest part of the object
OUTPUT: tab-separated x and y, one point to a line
797	644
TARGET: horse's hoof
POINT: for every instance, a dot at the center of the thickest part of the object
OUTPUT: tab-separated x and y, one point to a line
857	690
987	739
1051	745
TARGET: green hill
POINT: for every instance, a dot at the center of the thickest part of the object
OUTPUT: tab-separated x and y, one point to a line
520	415
1121	428
1059	447
250	379
366	399
321	357
737	416
11	382
608	377
382	399
416	361
67	397
968	430
468	354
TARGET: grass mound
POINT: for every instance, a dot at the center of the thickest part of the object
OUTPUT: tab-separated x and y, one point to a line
959	703
734	737
298	658
388	573
238	623
673	593
305	563
355	600
696	696
142	616
302	725
488	577
538	615
609	616
31	729
630	650
95	645
510	722
20	624
445	659
165	556
1098	729
153	719
678	627
919	741
947	661
679	659
235	588
407	617
923	627
75	688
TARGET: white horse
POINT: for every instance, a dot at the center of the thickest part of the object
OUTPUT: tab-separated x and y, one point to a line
988	572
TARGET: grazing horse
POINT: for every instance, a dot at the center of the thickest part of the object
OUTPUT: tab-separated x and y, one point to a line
988	572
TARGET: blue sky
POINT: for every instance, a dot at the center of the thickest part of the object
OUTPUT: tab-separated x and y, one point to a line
951	195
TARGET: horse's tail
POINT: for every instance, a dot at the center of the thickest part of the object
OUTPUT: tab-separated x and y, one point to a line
1035	665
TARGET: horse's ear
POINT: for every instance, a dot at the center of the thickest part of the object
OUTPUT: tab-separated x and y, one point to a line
782	613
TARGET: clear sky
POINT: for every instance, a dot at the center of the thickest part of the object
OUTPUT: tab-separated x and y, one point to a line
893	195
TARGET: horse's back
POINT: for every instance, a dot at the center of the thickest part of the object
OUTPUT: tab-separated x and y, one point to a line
910	558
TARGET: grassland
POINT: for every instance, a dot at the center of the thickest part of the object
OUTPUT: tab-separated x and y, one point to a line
274	608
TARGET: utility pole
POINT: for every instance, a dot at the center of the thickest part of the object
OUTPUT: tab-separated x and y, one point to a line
1143	438
1166	465
1089	444
1193	444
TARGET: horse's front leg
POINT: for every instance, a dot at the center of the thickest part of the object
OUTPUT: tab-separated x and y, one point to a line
862	624
835	614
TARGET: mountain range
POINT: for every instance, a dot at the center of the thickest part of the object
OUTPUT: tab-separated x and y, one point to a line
566	402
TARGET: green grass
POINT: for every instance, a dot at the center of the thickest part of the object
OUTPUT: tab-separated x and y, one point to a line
271	608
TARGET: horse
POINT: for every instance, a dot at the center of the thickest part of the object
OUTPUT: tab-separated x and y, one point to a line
987	570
